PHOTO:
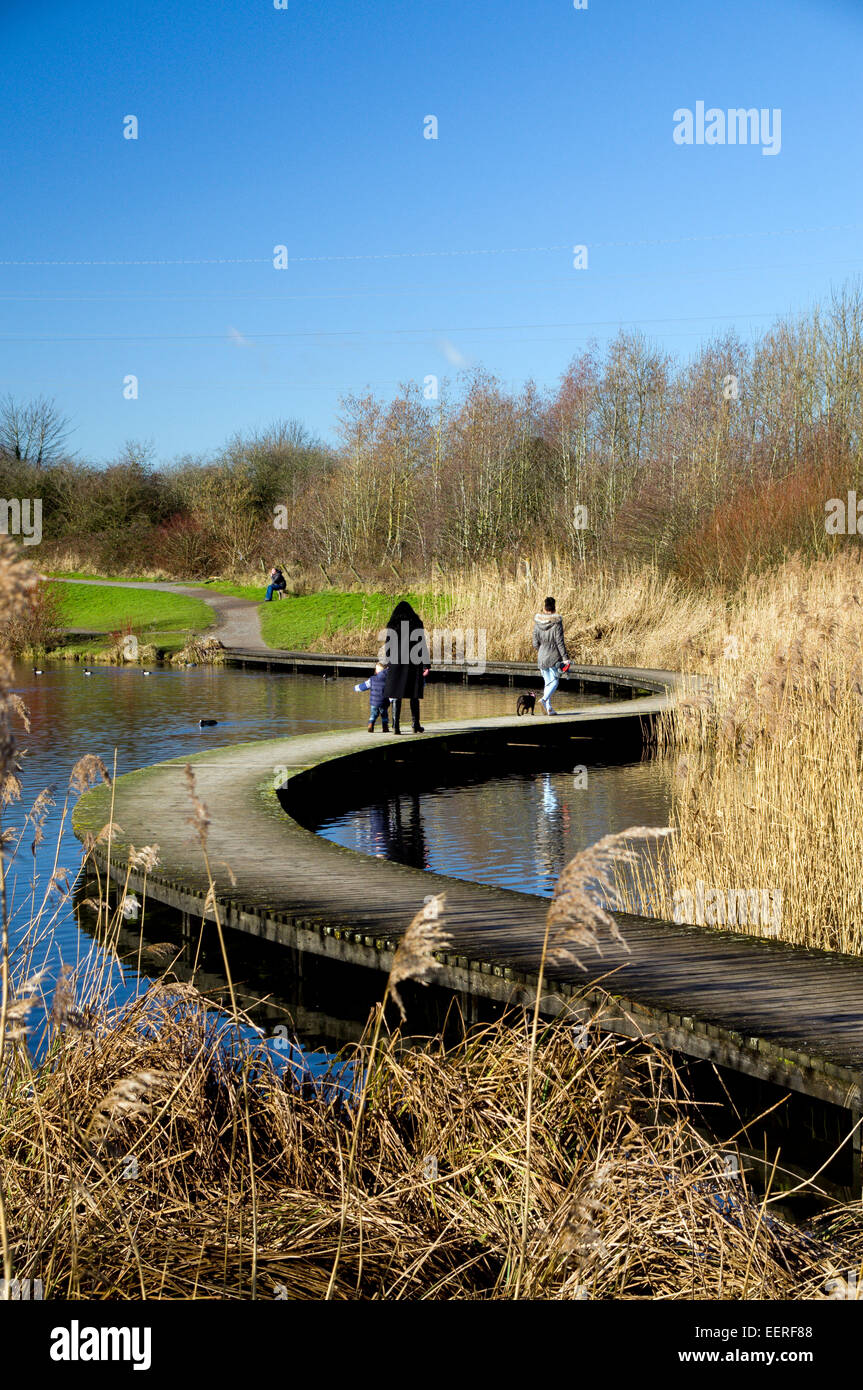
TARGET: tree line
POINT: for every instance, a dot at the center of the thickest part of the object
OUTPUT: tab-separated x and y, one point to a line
703	465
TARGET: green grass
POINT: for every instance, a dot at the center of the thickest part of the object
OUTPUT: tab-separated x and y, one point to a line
224	586
298	624
109	609
303	624
255	592
219	586
111	578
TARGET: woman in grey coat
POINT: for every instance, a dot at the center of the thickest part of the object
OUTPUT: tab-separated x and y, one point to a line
550	651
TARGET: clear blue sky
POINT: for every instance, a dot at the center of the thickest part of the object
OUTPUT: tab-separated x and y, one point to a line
304	126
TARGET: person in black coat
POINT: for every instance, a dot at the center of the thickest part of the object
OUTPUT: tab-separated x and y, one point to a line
407	651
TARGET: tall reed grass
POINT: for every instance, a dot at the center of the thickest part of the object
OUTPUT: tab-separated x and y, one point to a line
630	616
768	786
138	1160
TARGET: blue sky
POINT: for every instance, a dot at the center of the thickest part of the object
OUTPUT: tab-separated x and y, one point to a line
304	127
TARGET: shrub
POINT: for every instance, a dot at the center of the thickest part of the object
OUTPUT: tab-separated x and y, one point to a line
38	628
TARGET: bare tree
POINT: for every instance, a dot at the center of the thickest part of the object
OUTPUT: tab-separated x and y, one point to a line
34	432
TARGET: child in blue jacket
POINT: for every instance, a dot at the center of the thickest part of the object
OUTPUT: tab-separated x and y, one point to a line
378	702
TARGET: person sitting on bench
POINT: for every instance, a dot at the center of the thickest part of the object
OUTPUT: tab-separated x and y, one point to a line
277	584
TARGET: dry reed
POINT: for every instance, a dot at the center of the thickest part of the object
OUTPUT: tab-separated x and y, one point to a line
130	1155
768	795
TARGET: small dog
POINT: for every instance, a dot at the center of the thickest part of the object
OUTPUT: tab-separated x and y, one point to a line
526	704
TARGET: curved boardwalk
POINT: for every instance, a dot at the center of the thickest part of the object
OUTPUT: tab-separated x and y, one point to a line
779	1012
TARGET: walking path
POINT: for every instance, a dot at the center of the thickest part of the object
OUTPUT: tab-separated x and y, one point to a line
237	622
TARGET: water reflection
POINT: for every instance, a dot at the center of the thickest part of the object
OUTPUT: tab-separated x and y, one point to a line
551	828
516	831
394	830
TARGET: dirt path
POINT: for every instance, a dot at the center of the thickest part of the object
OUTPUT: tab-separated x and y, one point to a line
236	618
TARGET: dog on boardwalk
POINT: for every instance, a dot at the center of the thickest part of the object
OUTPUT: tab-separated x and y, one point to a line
526	704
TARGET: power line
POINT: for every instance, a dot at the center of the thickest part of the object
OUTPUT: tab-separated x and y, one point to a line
419	255
350	292
250	338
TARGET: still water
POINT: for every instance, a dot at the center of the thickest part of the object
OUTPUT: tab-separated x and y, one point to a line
515	831
131	720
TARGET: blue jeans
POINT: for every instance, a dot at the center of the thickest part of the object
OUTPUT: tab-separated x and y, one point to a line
383	711
551	676
271	590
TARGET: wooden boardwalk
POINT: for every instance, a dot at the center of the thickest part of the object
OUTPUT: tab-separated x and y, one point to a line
612	680
778	1012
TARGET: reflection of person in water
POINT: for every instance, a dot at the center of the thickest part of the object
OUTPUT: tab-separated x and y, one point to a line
396	830
379	829
552	825
409	837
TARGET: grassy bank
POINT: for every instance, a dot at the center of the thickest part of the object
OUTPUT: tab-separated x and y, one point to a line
335	621
157	576
346	621
108	609
163	623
